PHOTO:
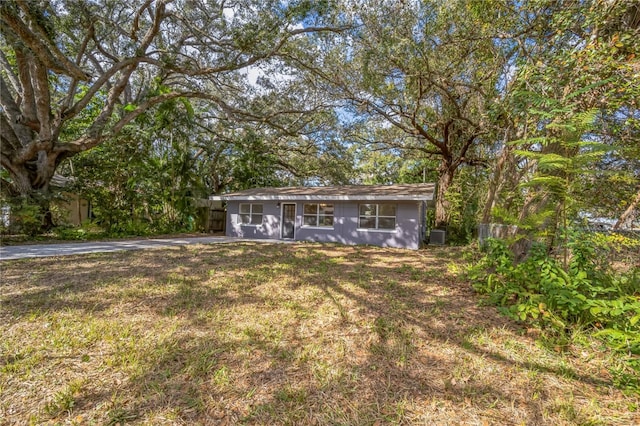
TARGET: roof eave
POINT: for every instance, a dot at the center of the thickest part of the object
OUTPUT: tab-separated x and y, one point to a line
321	197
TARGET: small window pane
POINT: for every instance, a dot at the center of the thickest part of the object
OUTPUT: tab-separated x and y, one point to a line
326	209
387	210
367	209
367	222
326	220
310	220
387	223
245	208
310	208
256	219
256	208
244	219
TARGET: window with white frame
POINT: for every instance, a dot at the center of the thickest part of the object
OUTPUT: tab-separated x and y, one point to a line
317	215
377	216
250	214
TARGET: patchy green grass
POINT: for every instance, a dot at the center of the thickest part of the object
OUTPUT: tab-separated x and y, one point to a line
281	334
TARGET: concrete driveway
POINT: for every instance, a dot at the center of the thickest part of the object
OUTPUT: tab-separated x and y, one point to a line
45	250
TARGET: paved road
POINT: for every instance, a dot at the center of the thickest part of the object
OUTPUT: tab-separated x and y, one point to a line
45	250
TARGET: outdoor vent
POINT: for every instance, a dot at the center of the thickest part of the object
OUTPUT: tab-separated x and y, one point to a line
437	236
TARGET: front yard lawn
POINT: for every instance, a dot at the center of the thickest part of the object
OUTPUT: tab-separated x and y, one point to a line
304	334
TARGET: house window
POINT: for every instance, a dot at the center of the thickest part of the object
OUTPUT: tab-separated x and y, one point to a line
377	216
251	214
318	215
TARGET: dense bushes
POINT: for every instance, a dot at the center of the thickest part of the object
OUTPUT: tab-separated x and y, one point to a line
21	215
587	293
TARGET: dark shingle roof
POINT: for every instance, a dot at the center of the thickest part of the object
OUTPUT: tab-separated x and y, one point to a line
417	192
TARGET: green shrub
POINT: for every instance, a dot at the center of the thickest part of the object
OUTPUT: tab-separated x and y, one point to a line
587	294
25	216
88	231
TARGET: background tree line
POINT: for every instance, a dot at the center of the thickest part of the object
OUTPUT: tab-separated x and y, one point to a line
522	112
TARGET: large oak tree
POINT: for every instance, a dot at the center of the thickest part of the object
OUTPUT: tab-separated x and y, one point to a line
424	77
74	74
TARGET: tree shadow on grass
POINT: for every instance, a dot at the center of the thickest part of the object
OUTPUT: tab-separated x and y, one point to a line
291	334
78	282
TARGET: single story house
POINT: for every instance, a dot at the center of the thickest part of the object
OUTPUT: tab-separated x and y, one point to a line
381	215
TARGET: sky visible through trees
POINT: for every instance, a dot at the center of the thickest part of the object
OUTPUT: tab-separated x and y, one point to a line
521	111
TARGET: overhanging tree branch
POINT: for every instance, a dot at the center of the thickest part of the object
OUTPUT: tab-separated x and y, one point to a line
39	43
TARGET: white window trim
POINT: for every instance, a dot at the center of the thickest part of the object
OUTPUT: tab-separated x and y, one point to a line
377	217
317	215
250	214
380	231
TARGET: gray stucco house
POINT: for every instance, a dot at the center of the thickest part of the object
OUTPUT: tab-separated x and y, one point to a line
381	215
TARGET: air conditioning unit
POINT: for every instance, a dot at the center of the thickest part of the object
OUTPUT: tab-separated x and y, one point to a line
437	236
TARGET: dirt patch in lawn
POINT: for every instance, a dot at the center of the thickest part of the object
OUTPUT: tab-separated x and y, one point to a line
280	334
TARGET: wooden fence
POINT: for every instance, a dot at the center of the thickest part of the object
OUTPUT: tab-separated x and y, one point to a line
495	230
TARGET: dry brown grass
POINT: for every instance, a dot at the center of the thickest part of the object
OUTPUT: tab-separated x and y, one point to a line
280	334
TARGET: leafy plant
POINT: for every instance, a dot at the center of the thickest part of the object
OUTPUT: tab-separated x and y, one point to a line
588	294
25	216
64	400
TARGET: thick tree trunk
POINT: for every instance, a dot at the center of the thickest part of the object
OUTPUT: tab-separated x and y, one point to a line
31	181
501	174
627	213
495	185
34	175
47	217
445	178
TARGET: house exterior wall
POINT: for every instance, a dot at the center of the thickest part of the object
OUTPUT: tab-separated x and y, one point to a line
74	208
269	228
409	230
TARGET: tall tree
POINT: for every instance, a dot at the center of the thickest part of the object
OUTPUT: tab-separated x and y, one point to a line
96	66
579	62
427	75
